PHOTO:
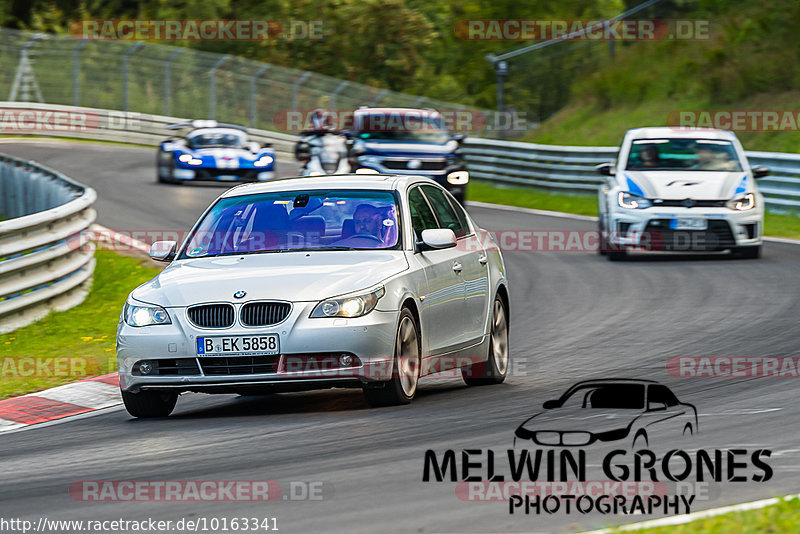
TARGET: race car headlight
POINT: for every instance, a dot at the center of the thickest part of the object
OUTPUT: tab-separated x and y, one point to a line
349	305
195	161
263	161
632	202
742	202
458	177
136	315
185	158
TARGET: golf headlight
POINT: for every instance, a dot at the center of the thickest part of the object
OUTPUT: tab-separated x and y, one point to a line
458	177
742	202
631	201
354	305
263	161
136	315
366	170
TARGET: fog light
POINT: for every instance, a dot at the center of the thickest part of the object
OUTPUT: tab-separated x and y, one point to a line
145	368
345	360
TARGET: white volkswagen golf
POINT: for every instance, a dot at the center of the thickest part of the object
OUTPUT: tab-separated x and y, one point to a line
348	281
680	190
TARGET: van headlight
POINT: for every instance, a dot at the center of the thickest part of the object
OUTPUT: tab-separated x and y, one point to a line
632	202
742	202
353	305
145	315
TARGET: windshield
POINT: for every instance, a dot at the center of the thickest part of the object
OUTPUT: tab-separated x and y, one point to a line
683	154
297	220
211	139
607	396
401	127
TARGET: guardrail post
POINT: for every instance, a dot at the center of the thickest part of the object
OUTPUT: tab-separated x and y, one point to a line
212	87
295	86
335	93
168	81
378	97
253	80
76	80
125	63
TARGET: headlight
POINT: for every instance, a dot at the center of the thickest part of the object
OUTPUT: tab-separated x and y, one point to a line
195	161
185	158
366	170
136	315
742	202
263	161
631	201
458	177
349	305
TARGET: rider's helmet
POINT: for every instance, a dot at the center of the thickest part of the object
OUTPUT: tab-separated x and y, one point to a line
320	119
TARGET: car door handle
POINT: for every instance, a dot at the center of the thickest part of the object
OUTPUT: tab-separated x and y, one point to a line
457	267
483	259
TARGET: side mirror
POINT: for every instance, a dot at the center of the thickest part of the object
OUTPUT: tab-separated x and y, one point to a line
163	250
606	169
459	138
549	405
656	406
438	238
760	172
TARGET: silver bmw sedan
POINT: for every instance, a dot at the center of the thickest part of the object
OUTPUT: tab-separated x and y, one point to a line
304	283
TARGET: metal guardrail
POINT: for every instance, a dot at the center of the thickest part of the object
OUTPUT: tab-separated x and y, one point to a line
570	169
107	125
46	258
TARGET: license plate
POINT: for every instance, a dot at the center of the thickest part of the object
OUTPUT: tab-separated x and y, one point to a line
226	178
256	345
688	223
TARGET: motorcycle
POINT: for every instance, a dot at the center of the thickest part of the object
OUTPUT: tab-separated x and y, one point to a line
324	152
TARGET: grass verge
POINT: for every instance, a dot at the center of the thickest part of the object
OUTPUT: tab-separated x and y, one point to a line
775	224
73	344
778	518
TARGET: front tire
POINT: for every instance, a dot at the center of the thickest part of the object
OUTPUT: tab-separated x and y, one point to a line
495	368
147	404
400	389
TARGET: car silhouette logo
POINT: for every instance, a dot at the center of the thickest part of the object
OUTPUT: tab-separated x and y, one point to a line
414	164
605	410
239	294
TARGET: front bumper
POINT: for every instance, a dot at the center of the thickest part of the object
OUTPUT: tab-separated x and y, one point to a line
397	165
206	174
652	229
369	338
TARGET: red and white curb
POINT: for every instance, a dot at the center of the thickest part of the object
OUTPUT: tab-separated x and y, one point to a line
60	402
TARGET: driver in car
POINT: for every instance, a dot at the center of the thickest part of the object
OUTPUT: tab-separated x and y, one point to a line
367	221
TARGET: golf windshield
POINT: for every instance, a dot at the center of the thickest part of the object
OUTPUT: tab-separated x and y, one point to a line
296	220
607	396
683	154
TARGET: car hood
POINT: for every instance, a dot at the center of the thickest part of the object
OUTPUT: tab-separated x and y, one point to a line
580	419
291	276
697	185
403	149
230	153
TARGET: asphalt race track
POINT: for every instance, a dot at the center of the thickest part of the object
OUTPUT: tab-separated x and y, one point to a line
574	316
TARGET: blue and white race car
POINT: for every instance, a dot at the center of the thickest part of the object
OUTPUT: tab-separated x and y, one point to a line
204	150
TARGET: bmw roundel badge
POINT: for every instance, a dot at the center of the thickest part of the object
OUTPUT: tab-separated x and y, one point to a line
239	294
